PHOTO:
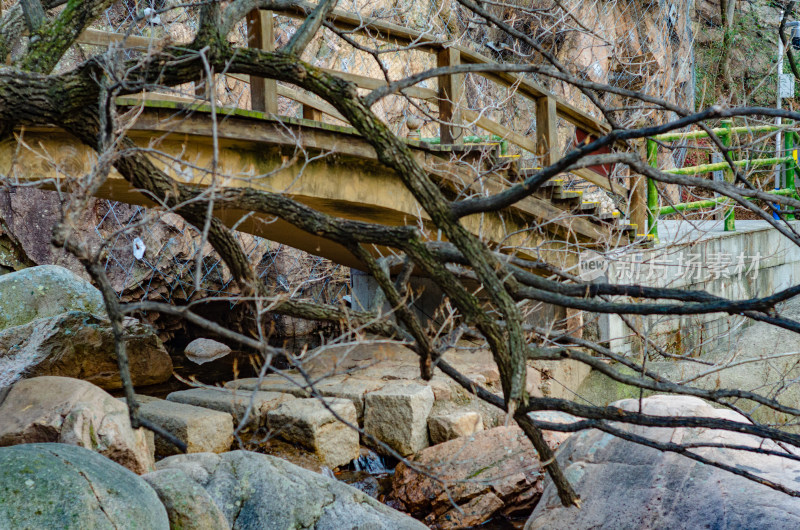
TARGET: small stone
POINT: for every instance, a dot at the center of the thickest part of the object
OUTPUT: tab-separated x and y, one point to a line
201	351
397	415
309	423
233	402
446	427
202	430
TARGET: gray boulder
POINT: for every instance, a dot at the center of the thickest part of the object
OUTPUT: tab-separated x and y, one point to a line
257	491
44	486
188	505
80	345
45	291
627	485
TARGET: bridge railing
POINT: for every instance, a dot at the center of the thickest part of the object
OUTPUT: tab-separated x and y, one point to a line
727	134
549	107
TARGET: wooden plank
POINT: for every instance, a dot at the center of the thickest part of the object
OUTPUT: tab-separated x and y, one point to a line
637	204
534	91
500	130
96	37
157	96
309	102
303	98
451	91
372	83
547	145
263	92
601	181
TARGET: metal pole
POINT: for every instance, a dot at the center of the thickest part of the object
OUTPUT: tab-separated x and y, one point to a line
652	191
788	143
729	224
778	146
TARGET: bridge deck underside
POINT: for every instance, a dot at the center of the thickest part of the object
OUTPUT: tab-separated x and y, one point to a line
328	168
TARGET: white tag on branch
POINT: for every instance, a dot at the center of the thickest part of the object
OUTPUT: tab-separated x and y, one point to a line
138	248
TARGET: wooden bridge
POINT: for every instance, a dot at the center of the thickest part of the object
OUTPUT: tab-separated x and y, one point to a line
330	167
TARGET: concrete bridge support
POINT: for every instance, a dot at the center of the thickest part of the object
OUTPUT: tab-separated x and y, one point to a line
367	296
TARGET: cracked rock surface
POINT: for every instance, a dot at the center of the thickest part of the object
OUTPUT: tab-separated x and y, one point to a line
626	485
256	491
50	485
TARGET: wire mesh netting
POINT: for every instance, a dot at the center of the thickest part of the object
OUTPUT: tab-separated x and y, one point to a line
156	258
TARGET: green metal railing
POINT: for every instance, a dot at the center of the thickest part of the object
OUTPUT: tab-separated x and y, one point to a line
726	134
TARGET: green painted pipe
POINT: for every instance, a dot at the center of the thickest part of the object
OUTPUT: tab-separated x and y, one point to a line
705	168
708	203
671	137
652	190
788	145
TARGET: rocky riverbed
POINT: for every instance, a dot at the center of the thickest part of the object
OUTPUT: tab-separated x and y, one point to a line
368	445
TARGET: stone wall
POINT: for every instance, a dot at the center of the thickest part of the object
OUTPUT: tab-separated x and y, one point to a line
753	261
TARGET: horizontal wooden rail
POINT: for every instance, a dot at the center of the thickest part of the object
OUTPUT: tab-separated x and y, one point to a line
96	37
403	36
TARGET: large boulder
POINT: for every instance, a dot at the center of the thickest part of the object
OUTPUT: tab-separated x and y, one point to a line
188	505
496	471
64	486
239	403
71	411
45	291
81	345
257	491
626	485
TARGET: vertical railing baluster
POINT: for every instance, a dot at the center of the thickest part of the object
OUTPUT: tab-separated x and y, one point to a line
451	88
789	165
260	35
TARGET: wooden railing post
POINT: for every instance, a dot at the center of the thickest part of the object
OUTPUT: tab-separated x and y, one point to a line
547	131
263	92
451	89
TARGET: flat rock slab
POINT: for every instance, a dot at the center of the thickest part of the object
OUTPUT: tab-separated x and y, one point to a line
397	415
294	385
51	485
234	402
202	430
309	423
445	427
